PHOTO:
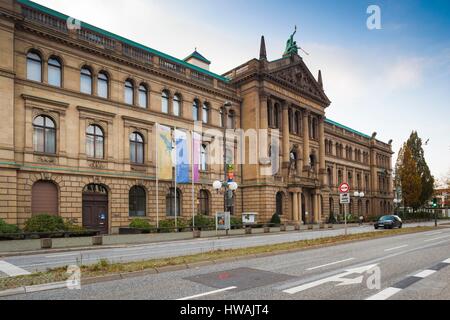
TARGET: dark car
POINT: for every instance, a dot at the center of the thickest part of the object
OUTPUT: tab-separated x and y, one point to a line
389	222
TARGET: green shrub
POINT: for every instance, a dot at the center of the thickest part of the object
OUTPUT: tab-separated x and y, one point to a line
202	221
6	228
236	222
169	225
140	224
45	223
275	219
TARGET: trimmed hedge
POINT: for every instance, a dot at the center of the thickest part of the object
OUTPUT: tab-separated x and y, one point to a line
275	219
141	224
6	228
45	223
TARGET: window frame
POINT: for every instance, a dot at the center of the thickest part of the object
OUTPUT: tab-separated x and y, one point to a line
135	144
129	85
134	199
85	76
59	69
34	60
105	82
44	128
165	99
95	142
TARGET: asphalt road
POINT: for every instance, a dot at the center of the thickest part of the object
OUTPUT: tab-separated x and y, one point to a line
41	262
414	266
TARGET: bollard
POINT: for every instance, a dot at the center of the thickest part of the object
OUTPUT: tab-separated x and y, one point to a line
46	243
97	240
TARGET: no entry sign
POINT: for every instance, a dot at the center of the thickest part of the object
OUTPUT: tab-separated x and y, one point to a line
344	188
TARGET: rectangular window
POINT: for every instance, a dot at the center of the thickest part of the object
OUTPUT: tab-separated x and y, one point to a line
54	76
34	72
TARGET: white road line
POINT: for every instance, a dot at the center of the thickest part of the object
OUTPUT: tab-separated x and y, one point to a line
396	248
434	233
62	255
425	274
385	294
329	264
11	270
446	261
434	239
207	293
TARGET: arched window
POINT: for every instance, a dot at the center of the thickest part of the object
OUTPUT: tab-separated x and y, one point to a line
86	80
276	115
203	158
231	120
95	142
34	66
279	203
137	202
221	117
143	100
177	105
54	72
165	101
136	148
129	92
205	113
102	85
204	202
44	198
170	203
330	176
44	135
195	110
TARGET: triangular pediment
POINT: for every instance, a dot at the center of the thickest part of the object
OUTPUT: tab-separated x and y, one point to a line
297	76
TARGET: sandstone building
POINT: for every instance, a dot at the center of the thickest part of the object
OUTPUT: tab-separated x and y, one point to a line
78	112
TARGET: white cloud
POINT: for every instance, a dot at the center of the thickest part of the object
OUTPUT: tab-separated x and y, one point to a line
407	73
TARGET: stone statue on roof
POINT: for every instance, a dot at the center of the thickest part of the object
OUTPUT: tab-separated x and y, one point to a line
291	46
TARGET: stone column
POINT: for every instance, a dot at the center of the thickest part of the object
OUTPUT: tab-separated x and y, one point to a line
295	206
322	169
306	150
300	205
264	118
285	125
316	207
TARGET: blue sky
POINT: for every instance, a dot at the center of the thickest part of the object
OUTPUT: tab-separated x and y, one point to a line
391	81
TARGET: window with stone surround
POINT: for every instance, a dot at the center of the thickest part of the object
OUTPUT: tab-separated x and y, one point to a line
86	80
34	66
137	202
54	72
136	148
102	85
44	135
95	141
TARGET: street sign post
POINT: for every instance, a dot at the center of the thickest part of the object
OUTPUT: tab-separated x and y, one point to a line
344	189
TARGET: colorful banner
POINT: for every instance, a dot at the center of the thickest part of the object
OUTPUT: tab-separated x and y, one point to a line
196	142
164	145
182	157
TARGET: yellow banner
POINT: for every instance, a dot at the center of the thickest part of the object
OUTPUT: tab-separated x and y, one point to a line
164	143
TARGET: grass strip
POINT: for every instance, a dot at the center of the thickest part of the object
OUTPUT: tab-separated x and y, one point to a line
104	267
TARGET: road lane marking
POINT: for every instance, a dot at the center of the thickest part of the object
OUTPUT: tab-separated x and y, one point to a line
425	274
62	255
329	264
396	248
434	239
12	270
385	294
434	233
446	261
207	294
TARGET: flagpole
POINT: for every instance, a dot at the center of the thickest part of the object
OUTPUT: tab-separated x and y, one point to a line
157	177
176	165
192	178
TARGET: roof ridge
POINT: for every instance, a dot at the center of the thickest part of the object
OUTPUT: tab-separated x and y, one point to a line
347	128
86	25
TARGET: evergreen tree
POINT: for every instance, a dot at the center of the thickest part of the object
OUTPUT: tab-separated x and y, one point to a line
414	143
410	180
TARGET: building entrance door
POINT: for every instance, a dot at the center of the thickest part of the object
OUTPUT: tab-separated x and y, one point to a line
95	208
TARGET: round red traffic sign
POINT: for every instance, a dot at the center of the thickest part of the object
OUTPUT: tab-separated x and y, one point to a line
344	188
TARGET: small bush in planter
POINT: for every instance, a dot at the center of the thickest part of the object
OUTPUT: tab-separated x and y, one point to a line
236	222
169	225
141	224
6	228
202	221
275	220
45	223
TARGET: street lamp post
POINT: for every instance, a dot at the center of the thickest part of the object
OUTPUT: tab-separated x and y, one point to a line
359	195
397	204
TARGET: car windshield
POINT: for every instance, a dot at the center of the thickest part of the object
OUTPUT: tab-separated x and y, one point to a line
386	218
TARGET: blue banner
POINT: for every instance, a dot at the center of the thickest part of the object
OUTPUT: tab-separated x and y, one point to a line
182	157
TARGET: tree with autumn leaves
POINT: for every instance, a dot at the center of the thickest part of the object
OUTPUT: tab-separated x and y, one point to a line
413	175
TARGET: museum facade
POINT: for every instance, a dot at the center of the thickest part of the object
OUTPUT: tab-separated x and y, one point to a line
79	110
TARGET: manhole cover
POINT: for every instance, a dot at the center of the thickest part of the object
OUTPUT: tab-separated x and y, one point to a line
242	278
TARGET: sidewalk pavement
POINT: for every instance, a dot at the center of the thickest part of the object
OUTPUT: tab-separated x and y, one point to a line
116	241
